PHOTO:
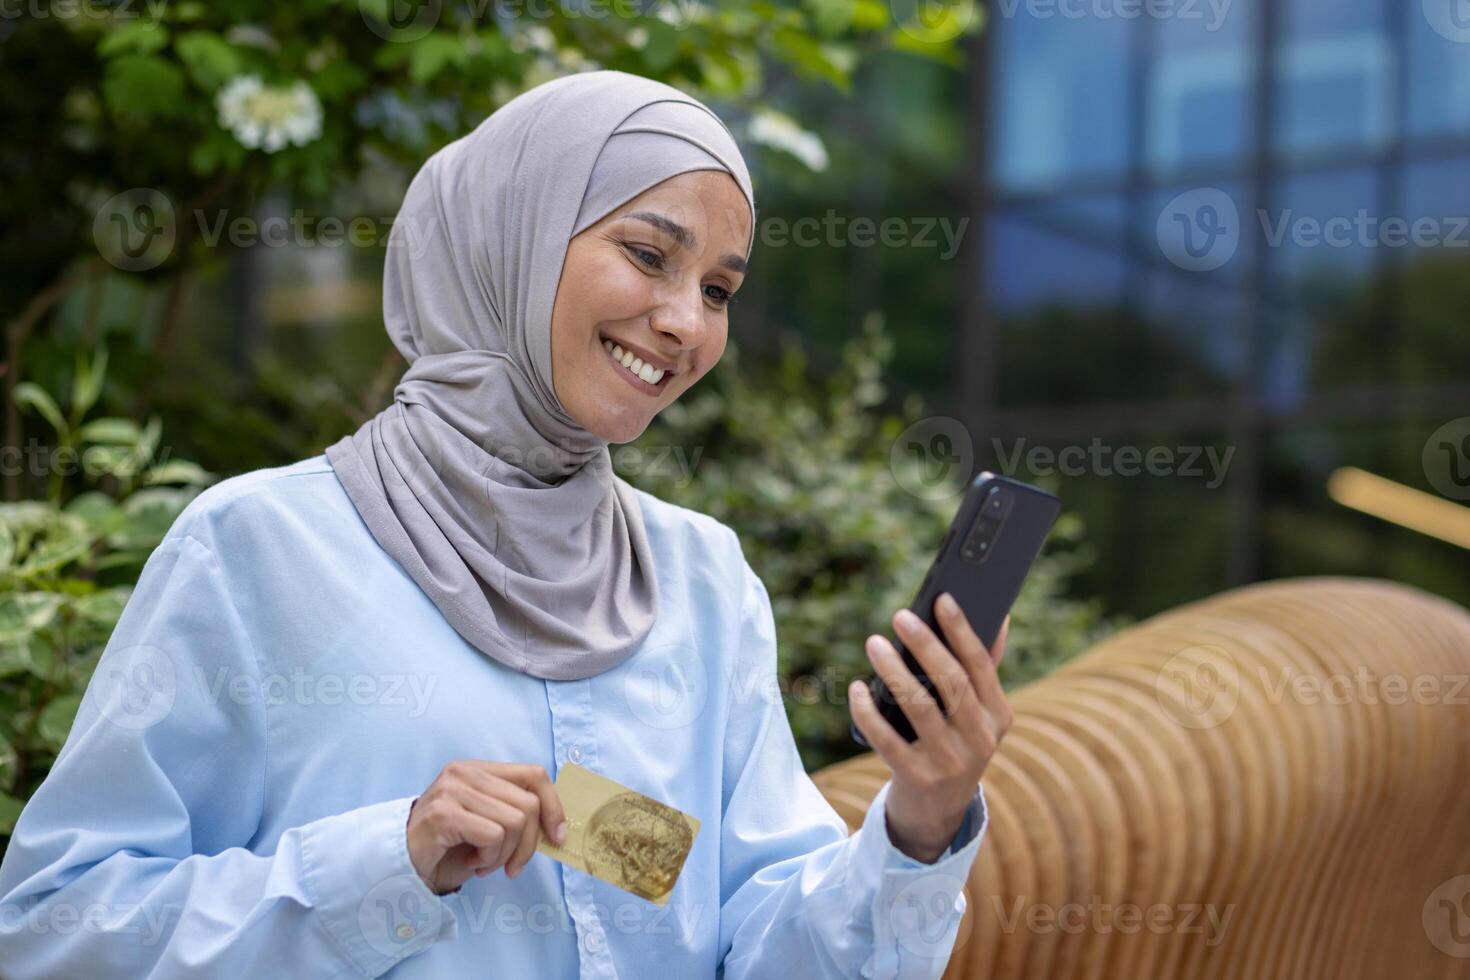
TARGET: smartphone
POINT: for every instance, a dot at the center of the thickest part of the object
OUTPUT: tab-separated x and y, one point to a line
995	537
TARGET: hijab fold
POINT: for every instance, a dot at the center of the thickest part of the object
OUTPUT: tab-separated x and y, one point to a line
499	505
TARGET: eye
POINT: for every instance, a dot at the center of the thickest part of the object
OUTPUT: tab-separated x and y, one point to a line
722	296
651	259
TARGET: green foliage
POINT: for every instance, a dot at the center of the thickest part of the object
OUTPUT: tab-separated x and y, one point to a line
797	462
67	569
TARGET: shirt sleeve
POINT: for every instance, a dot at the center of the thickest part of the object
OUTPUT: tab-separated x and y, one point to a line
132	857
799	896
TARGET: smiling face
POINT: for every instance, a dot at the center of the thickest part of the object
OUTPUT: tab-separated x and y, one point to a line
651	281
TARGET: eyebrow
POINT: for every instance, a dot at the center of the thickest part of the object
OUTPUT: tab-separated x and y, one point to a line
684	237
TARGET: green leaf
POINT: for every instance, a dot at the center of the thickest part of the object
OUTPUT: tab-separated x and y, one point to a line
57	717
87	384
209	58
28	394
178	471
431	54
113	431
338	79
23	613
143	87
138	37
663	44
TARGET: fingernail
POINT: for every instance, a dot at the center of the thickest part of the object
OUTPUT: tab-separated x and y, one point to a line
907	620
947	603
560	833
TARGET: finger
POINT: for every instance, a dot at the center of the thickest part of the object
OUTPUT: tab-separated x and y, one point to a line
536	780
916	702
490	802
891	747
484	833
976	661
979	664
945	670
998	652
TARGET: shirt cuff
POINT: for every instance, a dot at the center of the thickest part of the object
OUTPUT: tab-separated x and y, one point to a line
911	935
363	884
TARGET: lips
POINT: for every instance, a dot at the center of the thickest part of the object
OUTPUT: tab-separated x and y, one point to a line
643	376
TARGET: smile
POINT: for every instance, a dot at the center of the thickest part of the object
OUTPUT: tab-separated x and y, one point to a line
645	377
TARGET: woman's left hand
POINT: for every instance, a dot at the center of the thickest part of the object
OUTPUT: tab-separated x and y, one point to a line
934	777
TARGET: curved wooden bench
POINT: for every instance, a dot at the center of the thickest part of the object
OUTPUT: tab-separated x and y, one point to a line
1293	756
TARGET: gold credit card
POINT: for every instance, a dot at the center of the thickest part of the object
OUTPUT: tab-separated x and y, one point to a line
619	835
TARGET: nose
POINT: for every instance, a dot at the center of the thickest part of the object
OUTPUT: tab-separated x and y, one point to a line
680	317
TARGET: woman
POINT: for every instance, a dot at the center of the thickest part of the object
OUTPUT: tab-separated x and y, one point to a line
338	698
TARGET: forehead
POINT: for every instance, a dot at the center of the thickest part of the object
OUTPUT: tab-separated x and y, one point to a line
708	204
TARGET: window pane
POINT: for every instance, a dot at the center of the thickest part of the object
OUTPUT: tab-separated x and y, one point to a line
1061	89
1199	87
1325	321
1439	67
1335	72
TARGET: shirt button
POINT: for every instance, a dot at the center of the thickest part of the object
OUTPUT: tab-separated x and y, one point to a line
405	931
575	754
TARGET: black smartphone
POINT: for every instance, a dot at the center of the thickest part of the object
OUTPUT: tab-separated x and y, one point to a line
995	537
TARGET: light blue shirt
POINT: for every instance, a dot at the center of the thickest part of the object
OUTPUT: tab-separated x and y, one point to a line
233	796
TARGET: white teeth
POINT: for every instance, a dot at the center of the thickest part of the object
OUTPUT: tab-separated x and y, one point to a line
647	372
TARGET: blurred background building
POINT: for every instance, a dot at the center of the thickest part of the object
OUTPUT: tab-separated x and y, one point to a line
1238	225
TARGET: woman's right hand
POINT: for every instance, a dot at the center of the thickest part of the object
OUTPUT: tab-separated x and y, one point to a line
476	816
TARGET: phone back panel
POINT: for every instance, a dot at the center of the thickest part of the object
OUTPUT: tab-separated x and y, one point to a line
985	581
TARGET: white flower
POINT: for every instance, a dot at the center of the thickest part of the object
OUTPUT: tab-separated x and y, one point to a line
780	131
268	117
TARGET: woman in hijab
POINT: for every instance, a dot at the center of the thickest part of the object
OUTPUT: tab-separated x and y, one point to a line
323	738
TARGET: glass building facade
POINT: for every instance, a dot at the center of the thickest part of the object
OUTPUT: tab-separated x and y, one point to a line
1224	252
